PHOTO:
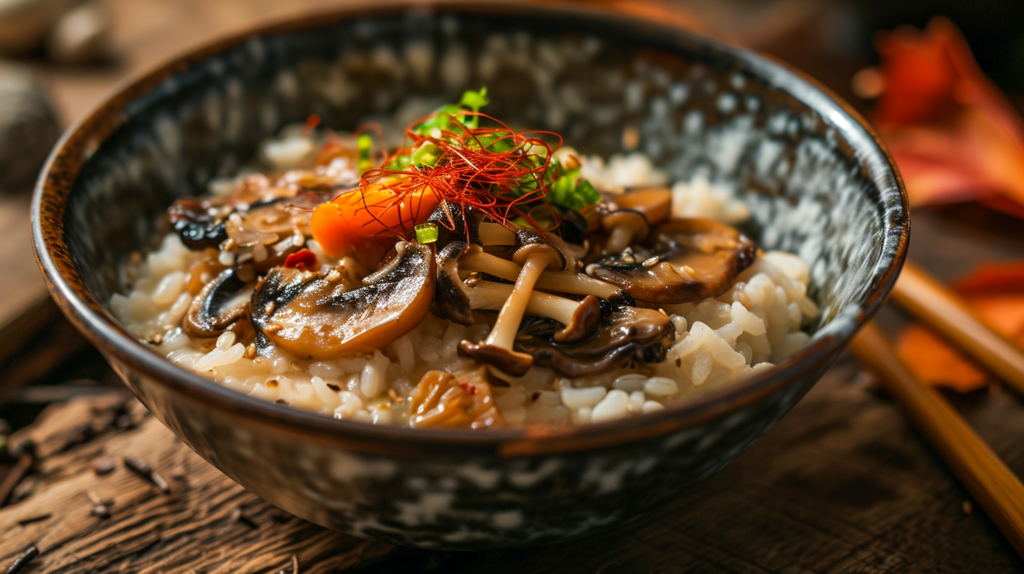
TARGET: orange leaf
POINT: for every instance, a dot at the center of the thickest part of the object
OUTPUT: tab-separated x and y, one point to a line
1005	313
935	363
995	291
954	136
990	278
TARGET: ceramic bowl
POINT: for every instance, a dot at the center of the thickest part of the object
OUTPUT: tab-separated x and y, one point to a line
817	180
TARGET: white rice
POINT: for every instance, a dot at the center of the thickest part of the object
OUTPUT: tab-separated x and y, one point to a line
719	341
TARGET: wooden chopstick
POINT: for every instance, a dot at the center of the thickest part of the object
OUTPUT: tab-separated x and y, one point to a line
947	313
991	484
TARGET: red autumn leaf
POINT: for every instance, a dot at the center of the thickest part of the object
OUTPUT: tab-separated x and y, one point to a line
996	293
992	279
954	136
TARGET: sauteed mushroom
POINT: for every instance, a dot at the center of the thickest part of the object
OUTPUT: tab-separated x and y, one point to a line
222	305
579	317
624	226
535	255
655	203
627	334
560	281
687	260
458	301
312	315
196	225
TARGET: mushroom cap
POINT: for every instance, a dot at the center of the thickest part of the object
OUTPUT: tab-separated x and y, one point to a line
625	335
508	361
310	316
196	227
572	226
688	260
628	217
219	307
530	243
655	203
456	223
583	324
451	297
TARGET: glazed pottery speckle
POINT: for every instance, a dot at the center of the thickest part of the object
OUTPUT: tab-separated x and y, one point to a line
816	179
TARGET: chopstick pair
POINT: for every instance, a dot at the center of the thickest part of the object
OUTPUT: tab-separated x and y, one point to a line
989	481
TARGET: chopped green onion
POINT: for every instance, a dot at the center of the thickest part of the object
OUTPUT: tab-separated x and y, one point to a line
571	191
365	144
426	232
475	100
426	154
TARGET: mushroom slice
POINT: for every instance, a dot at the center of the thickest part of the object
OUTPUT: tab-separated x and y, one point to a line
451	297
313	315
222	305
461	400
687	260
196	224
626	335
455	223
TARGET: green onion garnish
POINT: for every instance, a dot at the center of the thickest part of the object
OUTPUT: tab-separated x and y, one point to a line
365	144
426	232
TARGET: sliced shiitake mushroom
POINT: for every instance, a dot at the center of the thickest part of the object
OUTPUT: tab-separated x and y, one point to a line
451	296
455	223
198	225
625	335
313	315
222	305
684	260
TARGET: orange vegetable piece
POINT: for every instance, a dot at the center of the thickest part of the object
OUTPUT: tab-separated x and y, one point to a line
372	213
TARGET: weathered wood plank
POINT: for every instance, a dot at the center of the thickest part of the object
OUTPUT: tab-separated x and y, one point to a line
192	528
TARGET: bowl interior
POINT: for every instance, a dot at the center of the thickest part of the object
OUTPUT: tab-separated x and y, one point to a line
814	177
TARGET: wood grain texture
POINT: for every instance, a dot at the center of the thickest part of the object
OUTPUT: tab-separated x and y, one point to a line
195	527
980	470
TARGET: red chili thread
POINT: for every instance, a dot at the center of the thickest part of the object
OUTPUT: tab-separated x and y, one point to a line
467	173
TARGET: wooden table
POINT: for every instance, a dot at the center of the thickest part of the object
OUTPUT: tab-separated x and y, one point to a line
842	484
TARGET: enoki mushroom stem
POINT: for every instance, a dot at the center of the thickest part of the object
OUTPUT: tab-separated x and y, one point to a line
492	295
558	281
511	315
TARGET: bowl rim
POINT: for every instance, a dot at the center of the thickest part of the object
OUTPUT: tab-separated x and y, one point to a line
86	313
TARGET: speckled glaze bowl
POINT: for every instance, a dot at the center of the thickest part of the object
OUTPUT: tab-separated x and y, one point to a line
817	180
